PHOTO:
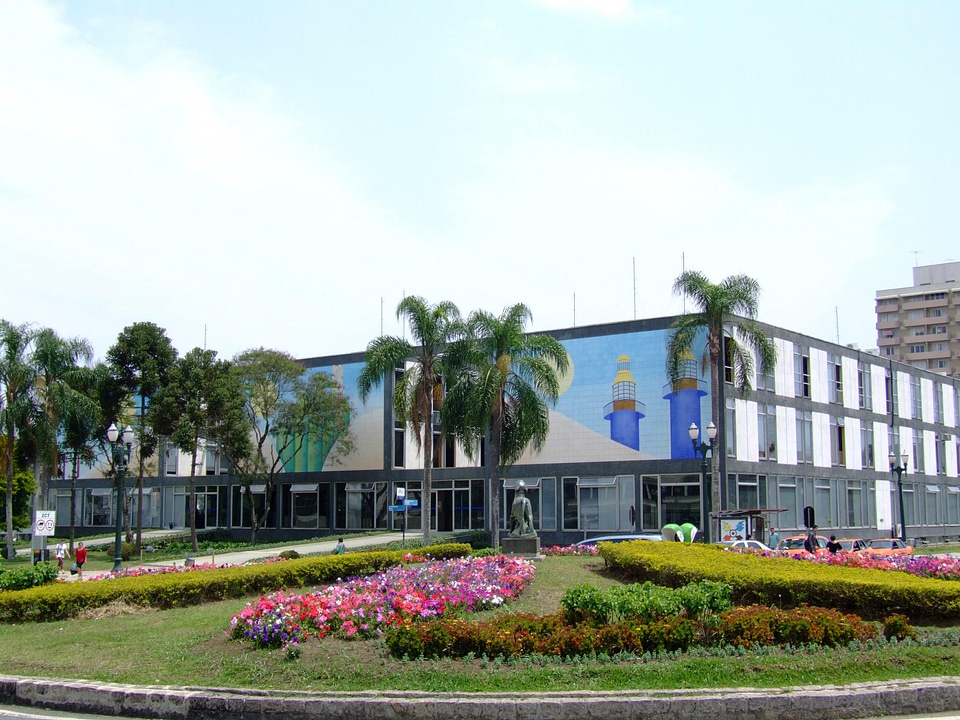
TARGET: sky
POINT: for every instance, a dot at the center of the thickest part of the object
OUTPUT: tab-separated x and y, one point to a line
252	174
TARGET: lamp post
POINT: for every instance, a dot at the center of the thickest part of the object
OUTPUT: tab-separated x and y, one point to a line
900	470
120	446
704	451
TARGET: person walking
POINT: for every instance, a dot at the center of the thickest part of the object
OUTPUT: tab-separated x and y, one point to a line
774	538
80	558
61	552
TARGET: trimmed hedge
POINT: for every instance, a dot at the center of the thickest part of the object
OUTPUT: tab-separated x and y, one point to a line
786	582
63	600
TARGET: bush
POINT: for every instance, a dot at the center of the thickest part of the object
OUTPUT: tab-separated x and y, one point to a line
759	625
56	602
22	578
289	554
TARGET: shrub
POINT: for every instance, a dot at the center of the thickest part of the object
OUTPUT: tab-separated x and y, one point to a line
760	625
21	578
289	554
897	626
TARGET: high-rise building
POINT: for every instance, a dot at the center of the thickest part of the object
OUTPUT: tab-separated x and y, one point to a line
920	325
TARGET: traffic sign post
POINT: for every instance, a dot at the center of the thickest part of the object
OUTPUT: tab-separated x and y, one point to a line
45	524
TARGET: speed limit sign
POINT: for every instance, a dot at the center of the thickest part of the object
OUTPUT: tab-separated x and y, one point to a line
45	523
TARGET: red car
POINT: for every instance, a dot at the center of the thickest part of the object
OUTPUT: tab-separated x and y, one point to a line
888	546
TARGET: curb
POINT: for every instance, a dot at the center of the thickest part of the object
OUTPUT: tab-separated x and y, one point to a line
827	702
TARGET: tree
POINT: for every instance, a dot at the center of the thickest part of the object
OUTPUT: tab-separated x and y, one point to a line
17	378
286	408
59	364
727	313
141	359
418	392
504	381
202	402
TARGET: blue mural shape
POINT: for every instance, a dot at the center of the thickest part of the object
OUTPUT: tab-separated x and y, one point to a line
624	412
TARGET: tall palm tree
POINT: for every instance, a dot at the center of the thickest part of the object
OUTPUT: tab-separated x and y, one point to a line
17	378
418	392
503	382
727	313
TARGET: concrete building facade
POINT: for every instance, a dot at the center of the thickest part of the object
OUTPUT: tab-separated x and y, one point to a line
920	324
816	432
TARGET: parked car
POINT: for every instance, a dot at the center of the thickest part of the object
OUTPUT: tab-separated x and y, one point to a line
619	538
754	545
793	545
853	545
888	546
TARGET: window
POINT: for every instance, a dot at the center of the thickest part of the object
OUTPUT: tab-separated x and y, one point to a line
170	457
865	386
767	431
765	380
915	314
890	351
930	496
916	398
838	456
856	503
399	434
886	317
97	507
730	427
835	379
939	347
533	495
728	374
918	348
601	503
825	501
893	399
801	371
889	334
941	446
941	364
937	312
751	492
804	436
918	460
866	444
938	330
938	403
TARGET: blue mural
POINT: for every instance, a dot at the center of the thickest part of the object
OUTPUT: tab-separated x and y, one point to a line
639	403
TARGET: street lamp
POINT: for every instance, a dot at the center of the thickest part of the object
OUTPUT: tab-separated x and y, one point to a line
900	470
704	451
120	446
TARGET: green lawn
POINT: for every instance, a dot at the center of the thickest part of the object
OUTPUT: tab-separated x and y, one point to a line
189	647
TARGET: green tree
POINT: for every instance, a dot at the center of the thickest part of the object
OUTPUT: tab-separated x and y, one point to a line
727	313
140	360
201	403
17	407
80	439
503	383
419	390
286	408
59	364
23	488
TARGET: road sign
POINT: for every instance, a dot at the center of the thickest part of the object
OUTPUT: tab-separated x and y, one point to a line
395	508
45	523
410	502
401	493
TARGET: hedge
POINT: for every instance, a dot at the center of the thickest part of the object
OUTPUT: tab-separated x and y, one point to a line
786	582
64	600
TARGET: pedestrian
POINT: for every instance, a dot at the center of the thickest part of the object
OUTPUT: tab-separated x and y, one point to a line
774	539
340	548
61	552
833	546
79	559
810	544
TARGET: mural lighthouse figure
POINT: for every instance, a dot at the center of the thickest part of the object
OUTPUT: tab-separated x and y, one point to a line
624	412
684	396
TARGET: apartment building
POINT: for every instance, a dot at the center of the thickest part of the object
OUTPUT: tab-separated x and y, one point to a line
920	325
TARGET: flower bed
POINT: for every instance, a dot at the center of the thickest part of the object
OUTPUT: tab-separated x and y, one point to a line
561	550
366	606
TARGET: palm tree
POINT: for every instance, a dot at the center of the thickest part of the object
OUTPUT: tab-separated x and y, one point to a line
17	378
504	380
418	392
727	312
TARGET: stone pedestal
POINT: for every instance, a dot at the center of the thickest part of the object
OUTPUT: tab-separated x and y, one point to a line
527	546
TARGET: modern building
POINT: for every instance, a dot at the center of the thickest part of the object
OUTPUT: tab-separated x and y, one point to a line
920	325
816	433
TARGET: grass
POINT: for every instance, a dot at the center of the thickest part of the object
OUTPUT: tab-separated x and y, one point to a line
189	647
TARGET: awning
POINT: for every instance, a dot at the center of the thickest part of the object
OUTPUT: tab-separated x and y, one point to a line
305	488
258	489
512	483
596	481
100	492
933	488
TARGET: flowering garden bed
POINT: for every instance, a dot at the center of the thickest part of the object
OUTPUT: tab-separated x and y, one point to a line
363	607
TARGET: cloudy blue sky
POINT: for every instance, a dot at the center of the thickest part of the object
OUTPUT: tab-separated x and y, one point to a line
281	174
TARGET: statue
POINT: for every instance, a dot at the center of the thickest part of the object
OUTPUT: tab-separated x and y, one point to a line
521	514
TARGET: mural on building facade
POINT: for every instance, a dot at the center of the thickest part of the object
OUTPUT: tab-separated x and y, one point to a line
616	402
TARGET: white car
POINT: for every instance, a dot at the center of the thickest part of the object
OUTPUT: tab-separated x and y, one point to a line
619	538
754	545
